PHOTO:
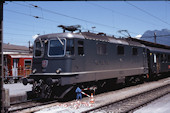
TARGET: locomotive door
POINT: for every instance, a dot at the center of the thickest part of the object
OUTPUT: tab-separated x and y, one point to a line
80	56
156	63
15	67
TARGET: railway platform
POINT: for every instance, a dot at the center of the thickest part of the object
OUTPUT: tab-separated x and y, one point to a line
17	92
17	88
99	100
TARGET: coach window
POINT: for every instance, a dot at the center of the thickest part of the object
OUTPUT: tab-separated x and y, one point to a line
70	47
27	64
134	51
101	49
81	48
163	58
120	50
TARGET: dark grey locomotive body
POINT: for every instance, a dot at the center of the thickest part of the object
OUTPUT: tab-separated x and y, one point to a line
62	61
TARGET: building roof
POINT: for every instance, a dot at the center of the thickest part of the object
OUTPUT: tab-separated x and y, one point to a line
21	55
10	48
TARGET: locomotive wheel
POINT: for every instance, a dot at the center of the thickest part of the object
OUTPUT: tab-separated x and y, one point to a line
47	91
36	89
130	81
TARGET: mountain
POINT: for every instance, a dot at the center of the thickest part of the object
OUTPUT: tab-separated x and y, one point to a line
160	36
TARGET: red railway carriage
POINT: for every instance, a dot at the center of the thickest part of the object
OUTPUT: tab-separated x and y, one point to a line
16	66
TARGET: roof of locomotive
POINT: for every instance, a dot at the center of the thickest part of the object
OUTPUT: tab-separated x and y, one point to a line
90	36
60	35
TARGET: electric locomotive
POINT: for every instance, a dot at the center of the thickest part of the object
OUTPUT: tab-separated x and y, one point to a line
62	61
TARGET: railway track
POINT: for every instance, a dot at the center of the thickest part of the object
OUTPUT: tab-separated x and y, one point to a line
29	104
126	104
132	103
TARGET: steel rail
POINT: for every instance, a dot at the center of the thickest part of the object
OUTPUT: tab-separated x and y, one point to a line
29	104
131	103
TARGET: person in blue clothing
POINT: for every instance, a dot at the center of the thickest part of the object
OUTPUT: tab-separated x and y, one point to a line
79	95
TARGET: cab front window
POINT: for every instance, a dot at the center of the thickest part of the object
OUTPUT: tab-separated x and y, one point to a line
57	47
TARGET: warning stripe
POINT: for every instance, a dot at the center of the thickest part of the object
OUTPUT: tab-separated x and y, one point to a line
85	94
91	88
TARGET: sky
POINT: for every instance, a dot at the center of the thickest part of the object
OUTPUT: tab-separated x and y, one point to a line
21	25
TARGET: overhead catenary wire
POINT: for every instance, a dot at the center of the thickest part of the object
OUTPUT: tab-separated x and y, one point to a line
28	25
54	12
37	17
148	13
43	18
113	11
55	21
64	15
35	6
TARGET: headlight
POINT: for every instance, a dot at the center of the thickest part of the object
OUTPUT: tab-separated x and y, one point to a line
58	71
34	71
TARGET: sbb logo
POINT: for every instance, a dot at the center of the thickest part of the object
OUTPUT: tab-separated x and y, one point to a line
44	63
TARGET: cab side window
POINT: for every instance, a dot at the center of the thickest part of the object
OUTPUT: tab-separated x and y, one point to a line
134	51
70	47
81	48
101	49
120	50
